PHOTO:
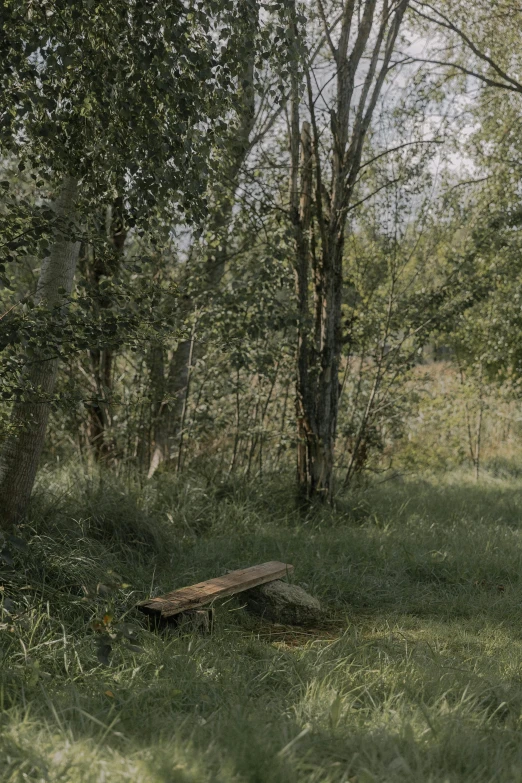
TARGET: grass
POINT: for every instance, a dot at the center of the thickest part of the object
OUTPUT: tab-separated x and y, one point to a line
416	676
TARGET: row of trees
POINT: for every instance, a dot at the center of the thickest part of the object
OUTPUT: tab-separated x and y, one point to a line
258	222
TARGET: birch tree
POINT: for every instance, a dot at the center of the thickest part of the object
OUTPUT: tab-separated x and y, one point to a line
30	413
93	94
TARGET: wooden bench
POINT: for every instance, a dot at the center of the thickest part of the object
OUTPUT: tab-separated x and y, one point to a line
188	598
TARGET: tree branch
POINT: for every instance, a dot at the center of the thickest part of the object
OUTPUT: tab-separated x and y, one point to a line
449	25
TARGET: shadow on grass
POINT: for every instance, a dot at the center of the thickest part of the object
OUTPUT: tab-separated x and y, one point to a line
423	581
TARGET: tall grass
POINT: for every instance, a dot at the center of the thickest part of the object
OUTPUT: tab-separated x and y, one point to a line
415	676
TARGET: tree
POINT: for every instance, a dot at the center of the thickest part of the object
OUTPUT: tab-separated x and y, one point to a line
171	383
29	419
361	42
93	95
478	40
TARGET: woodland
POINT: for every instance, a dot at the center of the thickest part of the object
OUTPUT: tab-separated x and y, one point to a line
261	300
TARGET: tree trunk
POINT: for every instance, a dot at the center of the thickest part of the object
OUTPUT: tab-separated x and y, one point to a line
168	407
102	359
22	451
98	417
319	228
318	359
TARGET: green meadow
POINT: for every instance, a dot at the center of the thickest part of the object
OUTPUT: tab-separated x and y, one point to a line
415	675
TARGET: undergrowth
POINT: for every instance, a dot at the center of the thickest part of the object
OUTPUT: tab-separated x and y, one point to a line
415	676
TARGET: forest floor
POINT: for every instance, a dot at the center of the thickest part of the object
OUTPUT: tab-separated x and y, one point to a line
416	676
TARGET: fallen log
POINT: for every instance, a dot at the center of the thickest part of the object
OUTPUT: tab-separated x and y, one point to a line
186	598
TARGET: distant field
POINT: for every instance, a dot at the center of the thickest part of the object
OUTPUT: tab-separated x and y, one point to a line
417	675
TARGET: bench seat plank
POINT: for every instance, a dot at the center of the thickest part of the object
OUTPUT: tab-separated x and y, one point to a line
202	593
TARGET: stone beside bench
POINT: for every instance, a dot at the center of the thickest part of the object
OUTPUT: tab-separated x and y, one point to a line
265	595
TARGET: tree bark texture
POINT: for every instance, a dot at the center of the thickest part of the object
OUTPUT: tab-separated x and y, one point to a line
22	450
319	205
169	394
102	358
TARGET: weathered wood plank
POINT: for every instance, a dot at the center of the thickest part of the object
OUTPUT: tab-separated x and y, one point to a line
194	596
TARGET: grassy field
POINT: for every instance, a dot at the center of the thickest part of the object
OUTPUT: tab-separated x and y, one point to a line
416	676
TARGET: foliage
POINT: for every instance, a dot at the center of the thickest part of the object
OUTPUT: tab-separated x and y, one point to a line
97	91
181	122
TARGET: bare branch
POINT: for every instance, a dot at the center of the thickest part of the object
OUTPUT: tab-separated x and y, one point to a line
373	193
444	21
468	72
355	151
369	76
331	44
345	29
398	147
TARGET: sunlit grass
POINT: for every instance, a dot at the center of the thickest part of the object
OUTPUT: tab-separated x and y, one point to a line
416	676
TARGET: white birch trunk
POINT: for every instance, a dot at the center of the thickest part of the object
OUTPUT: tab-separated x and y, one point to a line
21	453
